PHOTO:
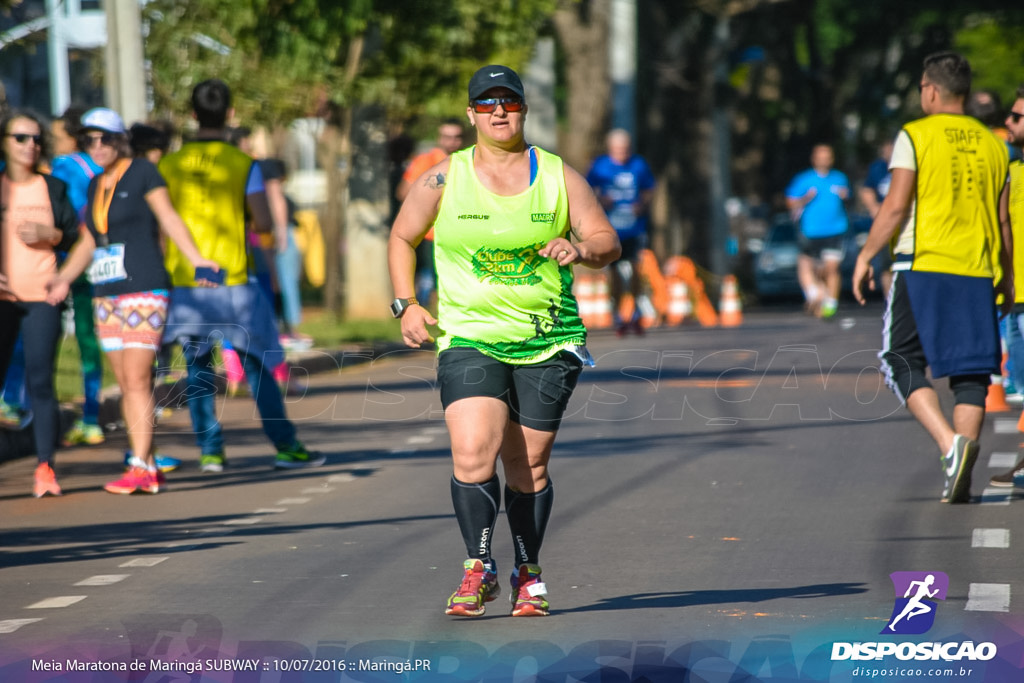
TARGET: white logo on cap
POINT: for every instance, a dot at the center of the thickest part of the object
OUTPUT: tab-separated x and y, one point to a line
500	73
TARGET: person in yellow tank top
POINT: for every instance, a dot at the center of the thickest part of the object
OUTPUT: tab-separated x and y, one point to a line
211	184
510	221
1013	209
952	254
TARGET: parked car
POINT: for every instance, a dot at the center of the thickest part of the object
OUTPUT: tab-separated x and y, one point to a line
775	265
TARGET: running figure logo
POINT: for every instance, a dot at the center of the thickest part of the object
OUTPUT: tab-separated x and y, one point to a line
914	612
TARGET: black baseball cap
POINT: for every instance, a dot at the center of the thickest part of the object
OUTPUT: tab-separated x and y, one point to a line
495	76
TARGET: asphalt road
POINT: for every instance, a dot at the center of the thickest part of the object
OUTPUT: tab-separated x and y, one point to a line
728	503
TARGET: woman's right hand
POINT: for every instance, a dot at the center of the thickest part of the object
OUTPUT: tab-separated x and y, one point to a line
414	326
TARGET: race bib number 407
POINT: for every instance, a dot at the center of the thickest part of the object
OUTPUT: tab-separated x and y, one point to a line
107	265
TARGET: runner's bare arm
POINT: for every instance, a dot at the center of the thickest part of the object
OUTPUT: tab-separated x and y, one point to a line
159	200
418	212
889	220
596	244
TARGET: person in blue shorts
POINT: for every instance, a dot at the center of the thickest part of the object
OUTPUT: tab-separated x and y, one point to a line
952	255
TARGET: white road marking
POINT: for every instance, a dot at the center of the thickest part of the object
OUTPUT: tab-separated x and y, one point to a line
269	511
59	601
293	501
103	580
1002	461
318	489
988	597
419	439
242	521
1005	425
342	478
144	562
990	538
12	625
993	495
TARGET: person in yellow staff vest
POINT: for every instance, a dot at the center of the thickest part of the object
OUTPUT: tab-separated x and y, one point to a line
211	184
1014	209
510	221
952	254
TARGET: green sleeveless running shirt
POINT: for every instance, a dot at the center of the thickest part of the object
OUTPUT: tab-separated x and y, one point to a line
495	292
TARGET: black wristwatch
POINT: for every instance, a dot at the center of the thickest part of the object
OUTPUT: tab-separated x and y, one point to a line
399	306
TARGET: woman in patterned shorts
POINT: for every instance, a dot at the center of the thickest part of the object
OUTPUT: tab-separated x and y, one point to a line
120	250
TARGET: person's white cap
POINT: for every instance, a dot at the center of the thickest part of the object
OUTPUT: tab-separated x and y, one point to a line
106	120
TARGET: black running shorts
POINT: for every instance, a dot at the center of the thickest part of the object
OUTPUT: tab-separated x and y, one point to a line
536	394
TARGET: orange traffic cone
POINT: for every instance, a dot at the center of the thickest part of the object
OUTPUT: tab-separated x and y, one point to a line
995	400
602	303
585	288
1020	422
730	308
679	306
648	312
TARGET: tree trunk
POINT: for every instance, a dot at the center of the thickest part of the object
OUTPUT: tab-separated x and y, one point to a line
336	155
582	29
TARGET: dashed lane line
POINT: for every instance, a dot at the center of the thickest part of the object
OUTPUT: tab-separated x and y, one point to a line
988	597
1005	425
990	538
145	561
12	625
103	580
57	601
242	521
1002	460
993	495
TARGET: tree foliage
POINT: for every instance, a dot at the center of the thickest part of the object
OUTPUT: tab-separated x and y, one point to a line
284	58
800	71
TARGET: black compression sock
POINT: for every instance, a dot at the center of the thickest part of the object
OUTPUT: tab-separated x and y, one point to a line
528	515
476	508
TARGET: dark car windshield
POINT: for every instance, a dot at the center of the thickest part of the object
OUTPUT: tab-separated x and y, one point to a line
782	233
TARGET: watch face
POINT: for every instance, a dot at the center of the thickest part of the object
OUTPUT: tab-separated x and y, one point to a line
397	306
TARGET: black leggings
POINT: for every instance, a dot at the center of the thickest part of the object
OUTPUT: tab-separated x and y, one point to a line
41	329
10	324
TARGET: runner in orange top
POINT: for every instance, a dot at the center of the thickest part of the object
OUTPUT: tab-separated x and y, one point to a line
449	139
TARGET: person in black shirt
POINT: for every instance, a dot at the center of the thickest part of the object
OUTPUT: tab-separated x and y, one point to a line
128	205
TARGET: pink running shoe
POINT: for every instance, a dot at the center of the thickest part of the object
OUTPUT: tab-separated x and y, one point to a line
45	482
528	593
479	585
135	479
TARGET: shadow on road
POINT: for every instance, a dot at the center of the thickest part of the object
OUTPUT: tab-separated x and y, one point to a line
718	597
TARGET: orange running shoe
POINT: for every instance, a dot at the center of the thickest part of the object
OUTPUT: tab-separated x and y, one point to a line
46	482
135	479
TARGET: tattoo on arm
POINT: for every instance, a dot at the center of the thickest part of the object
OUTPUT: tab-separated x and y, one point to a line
574	228
435	181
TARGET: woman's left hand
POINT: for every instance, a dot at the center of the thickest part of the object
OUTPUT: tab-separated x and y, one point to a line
561	250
